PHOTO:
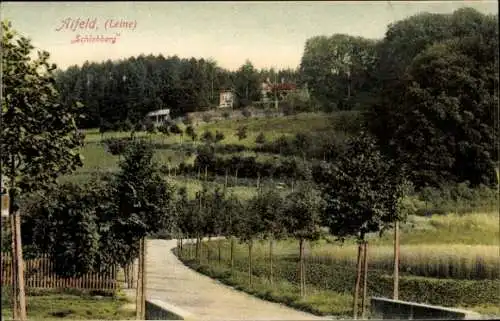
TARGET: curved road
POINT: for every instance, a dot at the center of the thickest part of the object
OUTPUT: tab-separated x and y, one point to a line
169	280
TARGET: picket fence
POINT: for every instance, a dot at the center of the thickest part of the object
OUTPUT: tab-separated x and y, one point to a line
39	273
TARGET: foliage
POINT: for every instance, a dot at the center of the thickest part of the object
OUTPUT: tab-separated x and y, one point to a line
207	137
260	139
150	127
268	203
116	146
39	137
63	223
241	132
191	132
303	213
164	129
437	100
140	202
219	136
246	112
338	69
175	129
361	191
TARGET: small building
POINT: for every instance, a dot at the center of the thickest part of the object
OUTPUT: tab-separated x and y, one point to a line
226	99
159	117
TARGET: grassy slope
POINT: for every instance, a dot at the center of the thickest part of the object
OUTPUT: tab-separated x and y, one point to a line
97	159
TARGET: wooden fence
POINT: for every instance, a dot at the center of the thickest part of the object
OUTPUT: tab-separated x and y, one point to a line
39	273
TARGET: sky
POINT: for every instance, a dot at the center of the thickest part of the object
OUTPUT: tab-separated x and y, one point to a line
268	33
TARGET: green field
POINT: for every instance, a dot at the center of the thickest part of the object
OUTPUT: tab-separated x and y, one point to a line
97	159
443	260
71	305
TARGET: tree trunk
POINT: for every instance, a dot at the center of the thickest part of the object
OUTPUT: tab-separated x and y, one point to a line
209	250
20	297
232	255
126	272
219	254
271	260
236	178
13	262
144	279
182	248
197	248
358	280
138	295
396	262
206	173
131	267
301	267
250	247
365	279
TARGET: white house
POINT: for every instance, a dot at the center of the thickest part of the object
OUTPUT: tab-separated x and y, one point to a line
159	117
226	99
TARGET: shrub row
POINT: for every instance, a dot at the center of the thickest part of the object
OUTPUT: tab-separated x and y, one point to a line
248	167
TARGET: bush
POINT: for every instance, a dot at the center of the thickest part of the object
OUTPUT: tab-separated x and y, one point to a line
116	146
241	132
187	120
150	127
207	137
206	118
246	113
226	115
164	129
260	139
64	225
175	129
219	136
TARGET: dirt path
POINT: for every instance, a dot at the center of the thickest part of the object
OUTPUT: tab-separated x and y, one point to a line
171	281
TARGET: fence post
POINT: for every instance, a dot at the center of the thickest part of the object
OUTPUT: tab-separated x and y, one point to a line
19	267
396	261
138	304
144	278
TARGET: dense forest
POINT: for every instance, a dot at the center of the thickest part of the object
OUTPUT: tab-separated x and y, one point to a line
119	91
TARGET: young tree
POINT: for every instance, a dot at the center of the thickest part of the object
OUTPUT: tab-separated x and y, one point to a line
246	113
361	193
201	218
207	137
260	139
150	127
233	213
241	132
250	227
302	221
165	130
143	200
216	216
39	139
268	204
219	136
